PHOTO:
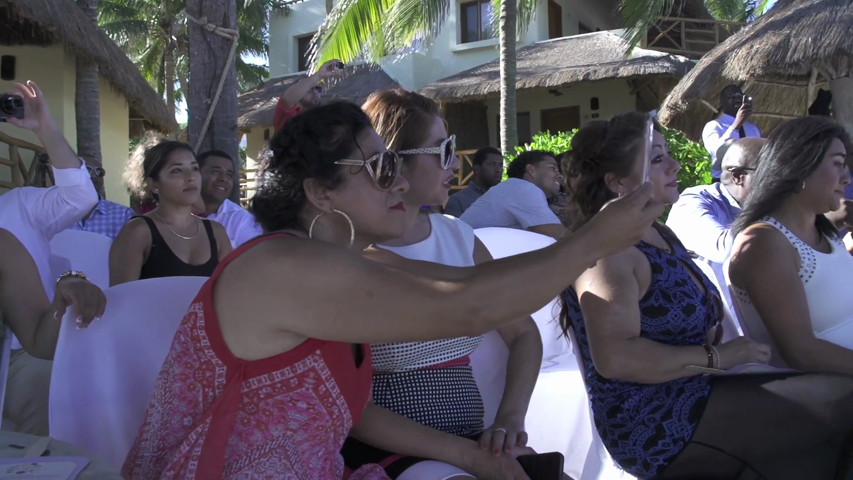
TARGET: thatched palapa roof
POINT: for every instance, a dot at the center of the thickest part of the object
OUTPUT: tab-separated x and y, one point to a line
257	106
779	60
46	22
561	62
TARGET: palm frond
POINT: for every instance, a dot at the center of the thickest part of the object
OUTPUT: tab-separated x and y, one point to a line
728	10
639	15
349	31
410	21
250	75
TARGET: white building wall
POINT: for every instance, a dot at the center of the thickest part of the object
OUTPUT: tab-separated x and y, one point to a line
447	55
614	97
53	68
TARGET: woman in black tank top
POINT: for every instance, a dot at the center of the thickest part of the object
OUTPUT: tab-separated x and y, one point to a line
169	241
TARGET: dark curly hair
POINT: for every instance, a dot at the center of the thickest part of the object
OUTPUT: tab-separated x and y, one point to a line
597	149
518	166
794	150
307	147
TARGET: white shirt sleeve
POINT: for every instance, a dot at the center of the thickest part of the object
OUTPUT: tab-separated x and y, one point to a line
529	206
52	210
715	134
696	221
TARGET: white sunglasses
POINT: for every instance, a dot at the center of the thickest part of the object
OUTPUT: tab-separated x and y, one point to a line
445	151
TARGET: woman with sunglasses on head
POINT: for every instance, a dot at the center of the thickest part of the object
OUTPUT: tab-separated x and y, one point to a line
169	240
646	323
789	266
431	382
267	373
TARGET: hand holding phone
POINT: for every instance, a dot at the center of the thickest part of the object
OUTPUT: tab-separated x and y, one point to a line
542	466
649	141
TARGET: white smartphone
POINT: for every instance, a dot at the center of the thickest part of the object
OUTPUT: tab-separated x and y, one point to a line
649	143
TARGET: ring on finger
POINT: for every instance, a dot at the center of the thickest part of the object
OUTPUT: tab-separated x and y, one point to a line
500	429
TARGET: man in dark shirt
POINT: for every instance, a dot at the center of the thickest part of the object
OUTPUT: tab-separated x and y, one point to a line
488	169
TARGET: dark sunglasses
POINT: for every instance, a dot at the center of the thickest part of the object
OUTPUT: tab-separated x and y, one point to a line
96	171
445	151
384	168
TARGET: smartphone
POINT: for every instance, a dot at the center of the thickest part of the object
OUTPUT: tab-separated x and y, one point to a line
542	466
649	143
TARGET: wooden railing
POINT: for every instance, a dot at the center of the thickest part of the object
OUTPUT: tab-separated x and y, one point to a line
247	185
463	176
21	173
466	169
690	37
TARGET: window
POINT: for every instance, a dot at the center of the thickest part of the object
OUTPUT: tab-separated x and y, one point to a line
475	19
302	45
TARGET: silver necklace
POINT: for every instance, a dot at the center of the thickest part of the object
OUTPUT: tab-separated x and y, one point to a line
176	233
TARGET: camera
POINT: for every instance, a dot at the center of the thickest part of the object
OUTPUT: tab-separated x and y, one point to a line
744	98
11	106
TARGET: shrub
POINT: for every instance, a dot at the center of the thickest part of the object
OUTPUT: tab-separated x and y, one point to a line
694	159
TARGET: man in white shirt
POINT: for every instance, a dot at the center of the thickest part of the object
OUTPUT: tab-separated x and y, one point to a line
217	182
521	201
34	216
730	125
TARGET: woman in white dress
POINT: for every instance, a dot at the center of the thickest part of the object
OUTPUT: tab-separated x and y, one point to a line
432	382
788	261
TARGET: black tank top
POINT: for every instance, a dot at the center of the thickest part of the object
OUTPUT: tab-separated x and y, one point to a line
162	262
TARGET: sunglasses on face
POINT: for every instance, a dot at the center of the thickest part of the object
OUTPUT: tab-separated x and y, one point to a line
384	168
96	171
445	151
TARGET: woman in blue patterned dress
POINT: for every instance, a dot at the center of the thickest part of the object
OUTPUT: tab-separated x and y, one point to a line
643	318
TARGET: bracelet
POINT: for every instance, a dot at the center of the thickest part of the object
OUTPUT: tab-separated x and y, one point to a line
709	350
71	273
716	357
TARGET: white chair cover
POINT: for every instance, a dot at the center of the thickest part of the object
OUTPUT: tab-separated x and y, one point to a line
731	323
88	252
558	418
103	376
504	242
751	322
5	358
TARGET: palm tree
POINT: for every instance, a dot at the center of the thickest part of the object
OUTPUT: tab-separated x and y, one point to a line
212	95
154	34
373	29
639	15
506	42
87	105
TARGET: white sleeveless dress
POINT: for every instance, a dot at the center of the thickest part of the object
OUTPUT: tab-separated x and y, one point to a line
432	382
827	280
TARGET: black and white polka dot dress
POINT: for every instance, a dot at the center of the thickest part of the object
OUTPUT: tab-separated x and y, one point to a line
432	382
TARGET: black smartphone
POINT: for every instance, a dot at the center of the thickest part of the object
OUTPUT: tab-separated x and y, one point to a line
542	466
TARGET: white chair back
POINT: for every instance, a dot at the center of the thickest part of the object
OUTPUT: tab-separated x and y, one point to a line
558	418
505	242
103	376
750	320
714	271
88	252
5	358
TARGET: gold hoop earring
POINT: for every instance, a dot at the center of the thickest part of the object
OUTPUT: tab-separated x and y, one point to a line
346	217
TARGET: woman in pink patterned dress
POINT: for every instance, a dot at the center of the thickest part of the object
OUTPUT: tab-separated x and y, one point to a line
267	375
